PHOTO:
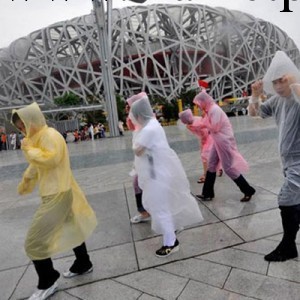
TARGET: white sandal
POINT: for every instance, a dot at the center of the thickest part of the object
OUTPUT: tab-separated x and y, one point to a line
139	219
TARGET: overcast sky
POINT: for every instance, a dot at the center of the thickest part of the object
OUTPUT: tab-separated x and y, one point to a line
20	17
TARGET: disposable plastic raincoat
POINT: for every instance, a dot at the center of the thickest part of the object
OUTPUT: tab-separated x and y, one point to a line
220	129
286	111
166	190
195	125
64	219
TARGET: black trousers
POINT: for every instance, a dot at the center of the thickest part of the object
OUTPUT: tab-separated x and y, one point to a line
290	217
48	275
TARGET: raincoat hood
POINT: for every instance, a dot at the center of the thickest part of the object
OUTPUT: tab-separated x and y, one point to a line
203	100
186	116
136	97
280	65
141	111
32	117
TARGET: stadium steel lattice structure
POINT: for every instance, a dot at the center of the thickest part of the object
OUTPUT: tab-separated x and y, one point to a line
162	49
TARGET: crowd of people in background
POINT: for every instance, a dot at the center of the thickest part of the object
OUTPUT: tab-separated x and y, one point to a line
11	141
85	133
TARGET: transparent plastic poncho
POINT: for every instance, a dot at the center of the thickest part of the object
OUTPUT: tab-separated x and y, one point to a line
64	218
220	129
166	190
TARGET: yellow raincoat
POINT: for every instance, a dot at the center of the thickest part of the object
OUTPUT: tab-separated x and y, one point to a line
64	219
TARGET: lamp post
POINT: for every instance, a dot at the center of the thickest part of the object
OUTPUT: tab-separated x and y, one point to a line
104	31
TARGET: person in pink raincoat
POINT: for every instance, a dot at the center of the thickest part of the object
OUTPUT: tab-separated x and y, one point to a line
194	125
224	149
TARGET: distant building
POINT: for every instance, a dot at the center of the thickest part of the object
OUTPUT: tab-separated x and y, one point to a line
161	49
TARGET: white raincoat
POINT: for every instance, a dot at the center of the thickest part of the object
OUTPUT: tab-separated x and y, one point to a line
166	190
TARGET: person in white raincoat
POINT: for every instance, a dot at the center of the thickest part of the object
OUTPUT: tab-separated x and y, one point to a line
224	149
284	106
64	218
166	190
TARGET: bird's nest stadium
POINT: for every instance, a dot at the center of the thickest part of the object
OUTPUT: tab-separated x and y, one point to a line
161	49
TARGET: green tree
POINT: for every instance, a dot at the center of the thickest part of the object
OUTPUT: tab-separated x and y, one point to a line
121	108
68	99
187	98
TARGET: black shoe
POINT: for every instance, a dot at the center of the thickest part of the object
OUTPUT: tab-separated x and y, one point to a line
165	251
69	274
204	198
248	197
279	255
81	267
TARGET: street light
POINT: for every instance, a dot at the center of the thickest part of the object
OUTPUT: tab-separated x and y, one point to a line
104	31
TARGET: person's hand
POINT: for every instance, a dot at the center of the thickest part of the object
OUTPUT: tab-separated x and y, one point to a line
130	124
24	186
257	88
139	151
25	143
291	79
295	87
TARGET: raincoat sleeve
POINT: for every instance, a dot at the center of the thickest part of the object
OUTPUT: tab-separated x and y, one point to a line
145	139
213	120
29	181
266	108
198	128
49	154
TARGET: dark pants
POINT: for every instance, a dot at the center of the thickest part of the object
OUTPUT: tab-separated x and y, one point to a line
290	217
48	275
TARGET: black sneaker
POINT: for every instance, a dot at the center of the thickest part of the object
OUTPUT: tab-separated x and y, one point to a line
165	251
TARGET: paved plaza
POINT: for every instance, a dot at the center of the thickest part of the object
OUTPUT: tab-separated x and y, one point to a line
219	259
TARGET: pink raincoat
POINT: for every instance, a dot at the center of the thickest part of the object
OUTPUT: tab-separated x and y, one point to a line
195	126
220	129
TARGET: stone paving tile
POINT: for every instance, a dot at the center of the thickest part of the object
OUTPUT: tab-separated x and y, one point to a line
121	249
63	295
112	212
147	297
109	262
261	287
262	246
107	289
278	237
226	204
9	280
257	226
289	270
156	283
239	259
199	270
193	242
199	291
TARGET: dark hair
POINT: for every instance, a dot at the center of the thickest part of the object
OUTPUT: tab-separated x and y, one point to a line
15	117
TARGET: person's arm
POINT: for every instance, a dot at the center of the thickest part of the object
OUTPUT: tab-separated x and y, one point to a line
213	121
48	155
28	181
254	103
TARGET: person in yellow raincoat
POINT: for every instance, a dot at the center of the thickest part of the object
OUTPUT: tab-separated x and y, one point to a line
64	218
